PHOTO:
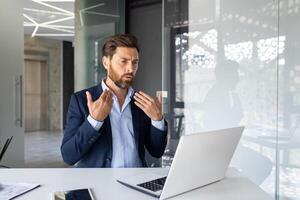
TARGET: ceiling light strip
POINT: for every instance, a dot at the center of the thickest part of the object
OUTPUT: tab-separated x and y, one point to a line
80	17
34	32
59	29
91	7
52	26
46	11
58	20
54	7
56	34
103	14
30	19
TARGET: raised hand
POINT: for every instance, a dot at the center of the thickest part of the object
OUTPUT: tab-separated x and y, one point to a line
100	108
152	107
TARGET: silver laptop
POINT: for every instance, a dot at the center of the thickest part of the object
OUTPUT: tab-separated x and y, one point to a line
200	159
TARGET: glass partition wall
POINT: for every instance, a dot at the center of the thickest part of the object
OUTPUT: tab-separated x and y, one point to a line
288	144
94	21
236	62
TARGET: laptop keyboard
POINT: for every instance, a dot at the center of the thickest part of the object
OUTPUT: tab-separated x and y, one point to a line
154	185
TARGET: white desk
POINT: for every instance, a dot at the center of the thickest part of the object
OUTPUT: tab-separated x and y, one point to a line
104	187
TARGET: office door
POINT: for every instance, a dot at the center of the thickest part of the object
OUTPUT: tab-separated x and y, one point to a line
11	57
36	95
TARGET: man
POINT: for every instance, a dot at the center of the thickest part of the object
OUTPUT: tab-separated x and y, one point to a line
110	125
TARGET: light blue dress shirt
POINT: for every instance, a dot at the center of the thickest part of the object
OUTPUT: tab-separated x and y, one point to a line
125	152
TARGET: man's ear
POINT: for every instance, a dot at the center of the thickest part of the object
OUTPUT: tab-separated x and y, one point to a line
105	62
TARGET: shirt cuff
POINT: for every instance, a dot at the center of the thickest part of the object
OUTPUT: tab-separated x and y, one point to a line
94	123
159	124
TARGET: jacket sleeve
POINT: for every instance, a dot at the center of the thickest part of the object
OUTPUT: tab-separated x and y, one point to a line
79	135
156	141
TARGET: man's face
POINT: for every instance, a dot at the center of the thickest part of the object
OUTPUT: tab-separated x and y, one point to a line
122	67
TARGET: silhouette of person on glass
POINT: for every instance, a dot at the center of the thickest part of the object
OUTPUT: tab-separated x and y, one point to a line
222	106
223	109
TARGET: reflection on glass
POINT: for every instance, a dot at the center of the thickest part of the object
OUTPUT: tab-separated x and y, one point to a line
269	48
231	64
222	99
95	21
288	102
239	51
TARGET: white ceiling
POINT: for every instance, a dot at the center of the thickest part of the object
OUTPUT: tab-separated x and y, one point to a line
49	18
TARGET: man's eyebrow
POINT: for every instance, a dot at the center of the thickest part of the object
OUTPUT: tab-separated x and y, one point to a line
136	59
124	58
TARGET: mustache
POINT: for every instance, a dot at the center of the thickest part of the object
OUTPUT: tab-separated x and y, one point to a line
127	74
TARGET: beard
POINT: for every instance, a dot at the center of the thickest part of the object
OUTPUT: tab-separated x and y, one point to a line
123	82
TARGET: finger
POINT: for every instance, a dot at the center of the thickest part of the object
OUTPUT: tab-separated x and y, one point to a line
111	102
141	101
158	103
146	96
89	98
139	105
145	99
103	95
109	95
159	97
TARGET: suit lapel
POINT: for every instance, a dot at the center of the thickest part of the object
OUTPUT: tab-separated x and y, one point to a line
106	124
98	92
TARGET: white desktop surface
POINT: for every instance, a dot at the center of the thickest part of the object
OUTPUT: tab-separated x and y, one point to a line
104	186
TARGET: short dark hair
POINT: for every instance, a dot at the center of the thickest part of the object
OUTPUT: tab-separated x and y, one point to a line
123	40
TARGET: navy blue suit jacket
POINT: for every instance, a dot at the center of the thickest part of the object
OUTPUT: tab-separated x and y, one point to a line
89	148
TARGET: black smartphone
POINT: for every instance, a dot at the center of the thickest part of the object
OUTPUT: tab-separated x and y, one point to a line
78	194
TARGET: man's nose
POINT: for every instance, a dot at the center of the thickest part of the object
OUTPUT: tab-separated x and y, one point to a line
131	67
